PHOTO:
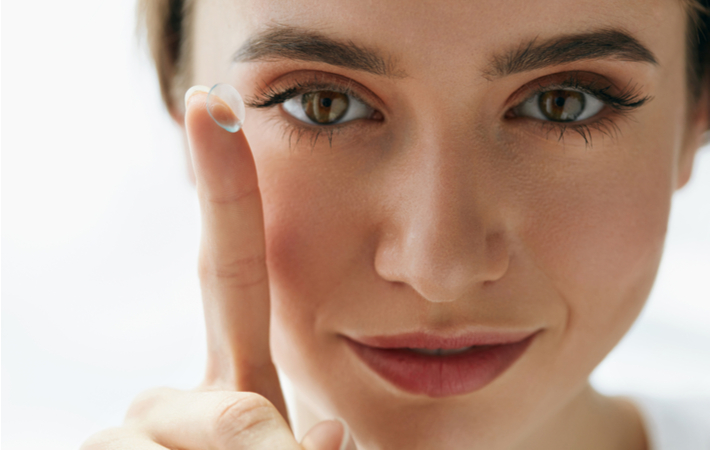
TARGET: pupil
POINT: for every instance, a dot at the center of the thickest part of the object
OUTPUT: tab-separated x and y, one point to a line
562	105
324	107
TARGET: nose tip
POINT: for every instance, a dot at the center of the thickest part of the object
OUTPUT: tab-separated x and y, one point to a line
443	228
444	266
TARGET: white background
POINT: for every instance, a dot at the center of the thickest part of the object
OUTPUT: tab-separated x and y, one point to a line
100	228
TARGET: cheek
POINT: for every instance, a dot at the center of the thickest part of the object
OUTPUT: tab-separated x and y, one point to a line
312	240
291	265
597	234
600	235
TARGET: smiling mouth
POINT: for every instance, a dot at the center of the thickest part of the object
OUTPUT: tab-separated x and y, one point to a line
440	367
442	351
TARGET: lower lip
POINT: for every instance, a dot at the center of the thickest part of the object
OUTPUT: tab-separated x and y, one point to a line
441	376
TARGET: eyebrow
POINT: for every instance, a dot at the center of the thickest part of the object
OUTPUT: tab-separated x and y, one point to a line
280	41
600	44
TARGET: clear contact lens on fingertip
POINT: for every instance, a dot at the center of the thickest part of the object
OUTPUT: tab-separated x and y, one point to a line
226	107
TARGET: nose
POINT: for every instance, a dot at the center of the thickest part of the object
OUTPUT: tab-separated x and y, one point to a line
443	232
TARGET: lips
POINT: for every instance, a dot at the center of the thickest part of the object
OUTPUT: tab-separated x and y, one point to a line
435	366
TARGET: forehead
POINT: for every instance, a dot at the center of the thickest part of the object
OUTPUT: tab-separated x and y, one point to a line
441	41
435	26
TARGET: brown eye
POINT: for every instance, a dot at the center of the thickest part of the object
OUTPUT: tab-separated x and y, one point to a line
562	106
328	108
324	107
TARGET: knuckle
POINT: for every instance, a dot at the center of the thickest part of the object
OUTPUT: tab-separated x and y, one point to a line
146	401
239	272
233	197
241	415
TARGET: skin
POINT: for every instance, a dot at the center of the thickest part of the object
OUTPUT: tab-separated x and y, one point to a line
445	215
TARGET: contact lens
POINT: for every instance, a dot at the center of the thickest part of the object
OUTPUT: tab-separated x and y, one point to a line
226	107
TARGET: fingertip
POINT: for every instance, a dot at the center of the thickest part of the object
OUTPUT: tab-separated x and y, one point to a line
346	442
326	435
331	434
226	107
194	89
197	118
223	103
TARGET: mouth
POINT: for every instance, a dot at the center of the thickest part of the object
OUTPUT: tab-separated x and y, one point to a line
435	366
441	351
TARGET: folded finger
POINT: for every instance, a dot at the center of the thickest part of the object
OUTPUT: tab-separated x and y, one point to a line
201	420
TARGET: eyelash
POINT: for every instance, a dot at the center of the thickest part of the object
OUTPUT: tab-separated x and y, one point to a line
269	97
620	104
629	99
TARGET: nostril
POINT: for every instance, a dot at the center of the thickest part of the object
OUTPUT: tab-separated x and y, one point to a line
443	273
497	257
443	232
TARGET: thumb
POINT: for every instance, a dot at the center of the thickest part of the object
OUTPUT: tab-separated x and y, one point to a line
329	435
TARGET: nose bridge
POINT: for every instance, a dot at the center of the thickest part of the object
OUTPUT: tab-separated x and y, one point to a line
444	238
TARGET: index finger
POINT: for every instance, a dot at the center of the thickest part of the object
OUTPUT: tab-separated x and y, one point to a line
232	263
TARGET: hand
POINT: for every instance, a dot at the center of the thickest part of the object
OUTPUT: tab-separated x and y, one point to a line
240	404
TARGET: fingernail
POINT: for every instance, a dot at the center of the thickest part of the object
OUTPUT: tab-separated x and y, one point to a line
327	435
347	443
194	89
226	107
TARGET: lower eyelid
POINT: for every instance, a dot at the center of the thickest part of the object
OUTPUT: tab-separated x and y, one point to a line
293	107
333	136
339	127
604	124
292	124
532	104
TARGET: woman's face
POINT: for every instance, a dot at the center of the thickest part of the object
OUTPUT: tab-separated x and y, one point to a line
449	204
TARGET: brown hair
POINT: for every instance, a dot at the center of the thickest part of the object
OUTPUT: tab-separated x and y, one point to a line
166	24
167	29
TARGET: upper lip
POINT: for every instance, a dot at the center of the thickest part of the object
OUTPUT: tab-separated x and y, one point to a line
433	341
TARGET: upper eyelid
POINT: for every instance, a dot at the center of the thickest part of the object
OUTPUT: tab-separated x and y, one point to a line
552	87
333	88
627	98
529	90
316	80
555	87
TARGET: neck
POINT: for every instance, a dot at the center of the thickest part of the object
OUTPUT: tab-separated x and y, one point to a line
591	421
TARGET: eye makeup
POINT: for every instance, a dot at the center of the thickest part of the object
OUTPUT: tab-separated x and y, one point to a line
305	86
614	104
